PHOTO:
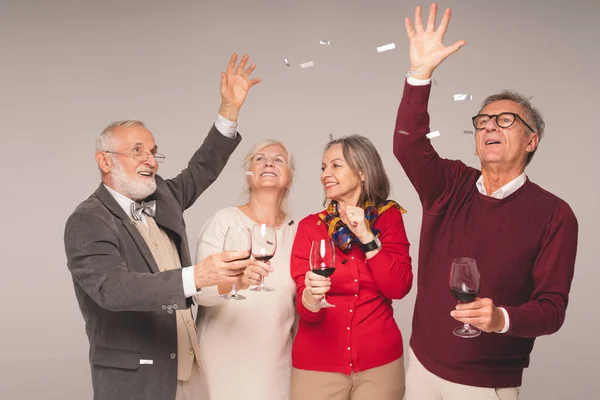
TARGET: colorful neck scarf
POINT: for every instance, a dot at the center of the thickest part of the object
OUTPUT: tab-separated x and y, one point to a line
341	235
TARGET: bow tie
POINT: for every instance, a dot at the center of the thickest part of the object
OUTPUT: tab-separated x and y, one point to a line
148	208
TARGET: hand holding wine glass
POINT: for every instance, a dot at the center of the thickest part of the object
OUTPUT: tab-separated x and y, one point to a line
322	262
264	244
464	285
237	238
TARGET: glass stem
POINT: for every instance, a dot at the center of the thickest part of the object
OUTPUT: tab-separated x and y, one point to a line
466	327
233	290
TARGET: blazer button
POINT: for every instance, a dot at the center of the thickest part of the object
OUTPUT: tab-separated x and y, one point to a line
169	307
164	307
172	356
169	312
174	306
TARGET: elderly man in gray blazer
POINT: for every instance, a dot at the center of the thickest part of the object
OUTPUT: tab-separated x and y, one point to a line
128	254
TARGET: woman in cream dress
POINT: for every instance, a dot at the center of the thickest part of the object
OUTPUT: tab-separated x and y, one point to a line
245	346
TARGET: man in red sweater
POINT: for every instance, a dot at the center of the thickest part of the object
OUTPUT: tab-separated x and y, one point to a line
523	238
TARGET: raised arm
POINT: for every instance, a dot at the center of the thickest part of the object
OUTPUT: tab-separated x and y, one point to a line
428	173
208	162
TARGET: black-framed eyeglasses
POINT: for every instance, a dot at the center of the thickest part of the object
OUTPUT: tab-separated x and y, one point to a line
141	156
503	120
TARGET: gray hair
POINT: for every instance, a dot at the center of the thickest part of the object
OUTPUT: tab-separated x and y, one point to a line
106	140
531	114
362	156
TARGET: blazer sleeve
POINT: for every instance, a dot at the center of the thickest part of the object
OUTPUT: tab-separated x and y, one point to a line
204	167
95	261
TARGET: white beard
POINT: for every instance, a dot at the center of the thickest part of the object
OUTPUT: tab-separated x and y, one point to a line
136	189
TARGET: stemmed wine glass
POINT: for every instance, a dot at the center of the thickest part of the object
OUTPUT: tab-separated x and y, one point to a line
237	238
264	244
464	285
322	262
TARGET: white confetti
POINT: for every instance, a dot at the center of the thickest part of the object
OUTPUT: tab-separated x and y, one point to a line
403	132
460	97
146	362
327	42
433	134
286	62
249	173
307	64
468	132
386	47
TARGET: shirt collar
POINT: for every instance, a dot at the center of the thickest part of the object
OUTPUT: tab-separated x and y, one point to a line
124	201
505	190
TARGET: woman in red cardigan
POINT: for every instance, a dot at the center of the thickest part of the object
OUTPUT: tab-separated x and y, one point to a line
353	351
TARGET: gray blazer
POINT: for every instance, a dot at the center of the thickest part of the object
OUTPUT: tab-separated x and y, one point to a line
125	301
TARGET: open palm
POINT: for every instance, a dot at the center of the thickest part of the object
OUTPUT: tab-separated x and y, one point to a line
235	82
426	48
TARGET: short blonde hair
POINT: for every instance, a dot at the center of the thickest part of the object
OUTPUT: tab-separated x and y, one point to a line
261	145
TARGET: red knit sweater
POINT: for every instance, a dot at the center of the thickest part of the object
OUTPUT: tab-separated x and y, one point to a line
524	245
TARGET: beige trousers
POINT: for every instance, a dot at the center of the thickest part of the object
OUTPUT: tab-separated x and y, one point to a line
194	388
423	385
380	383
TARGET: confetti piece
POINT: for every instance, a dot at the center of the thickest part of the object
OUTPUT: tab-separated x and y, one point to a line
270	243
433	134
386	47
331	137
307	64
286	62
468	132
249	173
403	132
328	42
460	97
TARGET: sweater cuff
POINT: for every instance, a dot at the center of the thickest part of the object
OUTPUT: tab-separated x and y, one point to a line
416	94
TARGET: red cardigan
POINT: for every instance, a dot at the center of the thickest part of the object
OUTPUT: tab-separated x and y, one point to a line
360	332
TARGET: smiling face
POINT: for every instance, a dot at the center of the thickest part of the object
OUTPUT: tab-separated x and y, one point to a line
122	172
340	182
506	148
270	169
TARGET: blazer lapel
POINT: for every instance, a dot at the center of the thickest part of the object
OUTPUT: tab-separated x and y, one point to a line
114	207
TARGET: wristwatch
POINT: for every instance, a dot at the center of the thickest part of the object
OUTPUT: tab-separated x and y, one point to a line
374	244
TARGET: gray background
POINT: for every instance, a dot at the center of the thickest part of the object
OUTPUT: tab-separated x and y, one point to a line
68	68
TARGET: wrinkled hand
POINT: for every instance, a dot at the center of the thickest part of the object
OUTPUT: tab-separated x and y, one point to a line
253	275
354	218
316	287
481	313
426	48
223	267
235	84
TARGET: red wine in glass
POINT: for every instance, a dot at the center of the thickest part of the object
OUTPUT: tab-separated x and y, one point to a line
464	286
322	262
264	244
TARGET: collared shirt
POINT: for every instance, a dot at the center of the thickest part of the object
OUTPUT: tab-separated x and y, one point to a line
226	128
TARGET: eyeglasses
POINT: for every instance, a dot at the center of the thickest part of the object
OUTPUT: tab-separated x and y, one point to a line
503	120
141	156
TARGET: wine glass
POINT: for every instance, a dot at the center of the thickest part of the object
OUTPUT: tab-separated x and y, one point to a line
237	238
322	262
464	285
264	244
